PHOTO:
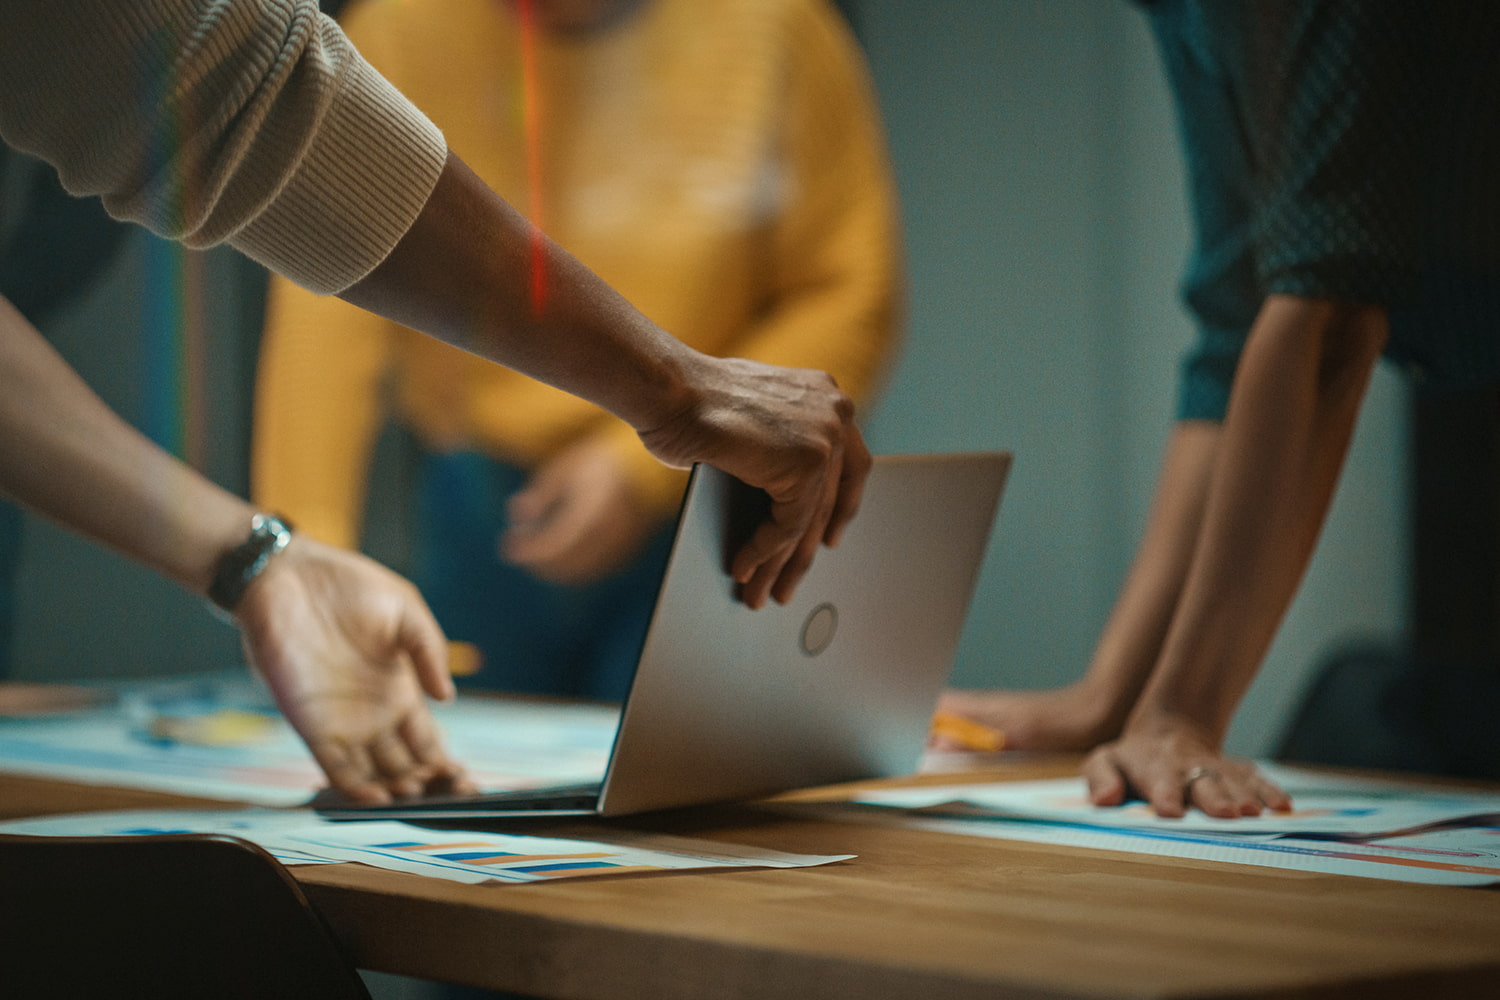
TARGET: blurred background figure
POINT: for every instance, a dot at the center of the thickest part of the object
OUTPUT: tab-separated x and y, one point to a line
719	162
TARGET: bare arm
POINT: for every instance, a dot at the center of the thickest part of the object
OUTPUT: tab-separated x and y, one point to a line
346	647
67	455
1093	710
464	273
1291	415
307	160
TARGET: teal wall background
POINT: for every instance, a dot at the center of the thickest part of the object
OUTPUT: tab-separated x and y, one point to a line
83	611
1046	229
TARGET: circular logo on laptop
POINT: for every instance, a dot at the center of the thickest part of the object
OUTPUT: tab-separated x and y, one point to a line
817	631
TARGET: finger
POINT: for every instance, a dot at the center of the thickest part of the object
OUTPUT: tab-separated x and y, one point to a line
851	485
1214	795
554	542
758	564
796	567
755	591
1106	781
795	501
424	740
771	545
421	638
534	544
1243	789
1272	794
397	768
532	501
1165	792
350	772
532	523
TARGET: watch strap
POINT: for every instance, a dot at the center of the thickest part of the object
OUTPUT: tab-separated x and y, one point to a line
269	534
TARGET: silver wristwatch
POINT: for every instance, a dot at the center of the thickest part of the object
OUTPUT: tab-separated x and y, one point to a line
269	534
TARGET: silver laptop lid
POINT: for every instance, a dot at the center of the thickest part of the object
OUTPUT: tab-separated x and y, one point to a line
838	685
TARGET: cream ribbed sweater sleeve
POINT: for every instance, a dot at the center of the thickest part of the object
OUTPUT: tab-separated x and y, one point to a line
248	122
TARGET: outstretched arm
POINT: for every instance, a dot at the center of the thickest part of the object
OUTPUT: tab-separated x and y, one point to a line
1291	414
464	273
303	157
347	647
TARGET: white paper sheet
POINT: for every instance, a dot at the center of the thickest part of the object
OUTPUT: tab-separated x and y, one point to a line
1463	856
1341	825
1325	805
301	837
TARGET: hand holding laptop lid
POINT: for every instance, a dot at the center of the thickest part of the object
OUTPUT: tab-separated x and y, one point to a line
791	433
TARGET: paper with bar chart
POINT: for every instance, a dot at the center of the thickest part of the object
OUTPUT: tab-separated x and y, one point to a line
300	837
1324	804
1339	824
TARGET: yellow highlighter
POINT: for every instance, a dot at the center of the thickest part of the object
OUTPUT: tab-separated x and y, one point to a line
225	727
968	734
464	658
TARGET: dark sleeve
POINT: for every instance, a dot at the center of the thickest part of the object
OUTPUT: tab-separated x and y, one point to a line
1333	96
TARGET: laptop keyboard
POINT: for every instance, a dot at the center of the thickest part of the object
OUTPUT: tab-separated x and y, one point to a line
551	799
584	796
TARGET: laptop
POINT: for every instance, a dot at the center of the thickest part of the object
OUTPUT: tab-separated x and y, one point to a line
837	685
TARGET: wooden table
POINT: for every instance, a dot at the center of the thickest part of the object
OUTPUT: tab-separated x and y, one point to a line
916	915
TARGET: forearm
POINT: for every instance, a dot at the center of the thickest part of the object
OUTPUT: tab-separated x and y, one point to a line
66	455
1132	639
477	292
1291	414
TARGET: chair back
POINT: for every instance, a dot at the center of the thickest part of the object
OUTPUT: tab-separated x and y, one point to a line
165	917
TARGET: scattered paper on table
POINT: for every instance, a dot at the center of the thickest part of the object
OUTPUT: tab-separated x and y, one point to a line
504	744
1463	856
1325	805
1341	825
300	837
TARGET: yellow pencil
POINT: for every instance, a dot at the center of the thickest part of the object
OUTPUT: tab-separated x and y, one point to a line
967	733
464	658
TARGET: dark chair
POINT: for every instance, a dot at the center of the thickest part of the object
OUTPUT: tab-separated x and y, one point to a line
161	917
1388	709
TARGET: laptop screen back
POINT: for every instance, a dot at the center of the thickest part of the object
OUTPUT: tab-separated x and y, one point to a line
837	685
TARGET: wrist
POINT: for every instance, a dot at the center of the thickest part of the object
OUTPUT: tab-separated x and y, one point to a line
671	424
1152	716
672	384
238	567
1104	705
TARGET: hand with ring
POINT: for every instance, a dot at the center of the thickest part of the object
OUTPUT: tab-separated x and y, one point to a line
1195	773
1174	765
